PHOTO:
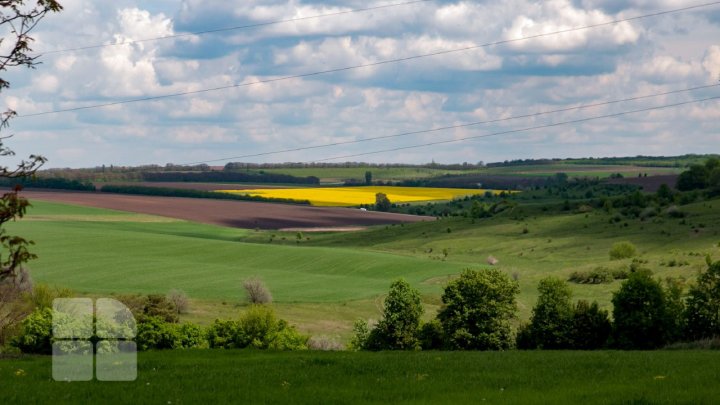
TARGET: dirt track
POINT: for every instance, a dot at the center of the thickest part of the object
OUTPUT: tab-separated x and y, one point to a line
239	214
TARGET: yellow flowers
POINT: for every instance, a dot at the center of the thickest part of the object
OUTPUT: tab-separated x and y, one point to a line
349	196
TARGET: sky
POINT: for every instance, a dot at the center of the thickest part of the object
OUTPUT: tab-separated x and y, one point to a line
498	82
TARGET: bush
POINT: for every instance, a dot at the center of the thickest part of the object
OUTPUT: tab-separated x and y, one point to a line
256	291
154	333
477	311
257	328
361	335
598	276
180	300
221	334
153	305
674	212
192	336
622	250
35	335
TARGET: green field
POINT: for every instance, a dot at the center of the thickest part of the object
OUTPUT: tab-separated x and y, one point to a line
338	174
323	284
578	170
516	377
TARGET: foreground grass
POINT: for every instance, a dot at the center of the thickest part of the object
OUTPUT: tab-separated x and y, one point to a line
216	376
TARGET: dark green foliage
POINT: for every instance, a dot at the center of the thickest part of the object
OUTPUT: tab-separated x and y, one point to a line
640	313
477	311
431	335
153	305
35	335
382	203
703	305
693	179
551	320
398	328
49	183
368	178
154	333
590	326
258	328
181	192
228	176
599	275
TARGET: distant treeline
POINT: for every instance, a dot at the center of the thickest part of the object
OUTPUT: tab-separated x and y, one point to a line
479	181
302	165
179	192
640	160
51	183
227	176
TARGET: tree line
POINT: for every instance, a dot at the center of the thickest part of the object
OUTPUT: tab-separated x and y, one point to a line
479	309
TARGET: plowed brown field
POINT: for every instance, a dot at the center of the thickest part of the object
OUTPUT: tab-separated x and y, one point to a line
239	214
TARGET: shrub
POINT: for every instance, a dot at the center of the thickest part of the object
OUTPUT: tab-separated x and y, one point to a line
382	202
154	333
35	335
622	250
674	212
256	291
361	335
599	275
180	300
477	311
192	336
221	334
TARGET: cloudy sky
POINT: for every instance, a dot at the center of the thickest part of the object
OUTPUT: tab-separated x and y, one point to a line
635	58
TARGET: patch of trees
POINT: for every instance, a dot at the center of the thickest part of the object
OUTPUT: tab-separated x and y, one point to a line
228	176
701	177
479	308
179	192
49	183
157	327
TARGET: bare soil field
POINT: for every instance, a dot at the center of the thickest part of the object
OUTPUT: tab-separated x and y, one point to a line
650	184
193	186
239	214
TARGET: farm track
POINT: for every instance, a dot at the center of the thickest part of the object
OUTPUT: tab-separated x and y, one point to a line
237	214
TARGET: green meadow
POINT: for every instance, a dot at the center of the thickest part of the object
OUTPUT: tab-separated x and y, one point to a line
514	377
328	280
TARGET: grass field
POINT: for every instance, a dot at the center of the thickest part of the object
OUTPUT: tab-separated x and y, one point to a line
339	174
336	278
516	377
576	170
352	196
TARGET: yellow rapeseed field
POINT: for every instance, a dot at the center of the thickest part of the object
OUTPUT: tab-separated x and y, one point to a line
349	196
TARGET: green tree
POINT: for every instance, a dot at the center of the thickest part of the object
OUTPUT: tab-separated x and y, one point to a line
692	179
368	178
551	321
382	202
399	326
702	313
640	313
19	18
478	309
590	326
622	250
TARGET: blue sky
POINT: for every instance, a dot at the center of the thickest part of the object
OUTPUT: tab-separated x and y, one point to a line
613	62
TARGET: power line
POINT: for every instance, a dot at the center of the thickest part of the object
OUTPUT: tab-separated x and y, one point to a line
238	27
444	128
517	130
379	63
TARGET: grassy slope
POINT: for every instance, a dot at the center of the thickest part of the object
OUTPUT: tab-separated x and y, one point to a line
216	376
336	278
